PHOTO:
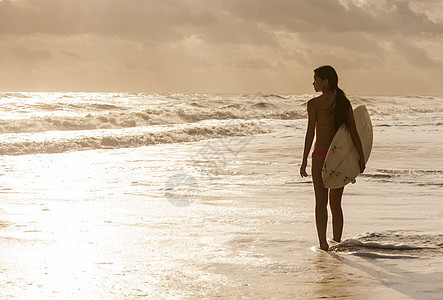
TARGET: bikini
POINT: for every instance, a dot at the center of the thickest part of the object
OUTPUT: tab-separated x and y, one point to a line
323	152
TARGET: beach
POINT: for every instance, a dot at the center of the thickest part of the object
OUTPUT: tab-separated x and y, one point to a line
191	196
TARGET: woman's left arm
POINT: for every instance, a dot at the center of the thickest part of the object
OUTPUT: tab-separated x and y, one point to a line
356	140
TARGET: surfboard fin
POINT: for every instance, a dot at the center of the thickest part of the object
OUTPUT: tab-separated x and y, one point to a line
347	179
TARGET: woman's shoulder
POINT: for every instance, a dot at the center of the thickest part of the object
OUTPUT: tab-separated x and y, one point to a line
314	100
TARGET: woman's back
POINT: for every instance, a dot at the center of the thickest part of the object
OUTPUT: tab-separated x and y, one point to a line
324	106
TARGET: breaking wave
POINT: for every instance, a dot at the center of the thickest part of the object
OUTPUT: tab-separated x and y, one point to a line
418	177
392	244
51	142
107	120
146	117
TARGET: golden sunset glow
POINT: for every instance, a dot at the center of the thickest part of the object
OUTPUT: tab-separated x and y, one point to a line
185	149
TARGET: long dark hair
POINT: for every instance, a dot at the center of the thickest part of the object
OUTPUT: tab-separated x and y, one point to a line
342	104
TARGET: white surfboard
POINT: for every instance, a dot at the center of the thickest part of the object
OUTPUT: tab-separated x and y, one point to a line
341	163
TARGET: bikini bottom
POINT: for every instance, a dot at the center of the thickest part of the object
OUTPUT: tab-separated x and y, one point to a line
321	153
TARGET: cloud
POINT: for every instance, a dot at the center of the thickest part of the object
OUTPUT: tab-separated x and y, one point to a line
217	21
334	16
226	43
253	63
361	49
70	54
32	54
410	21
415	55
149	18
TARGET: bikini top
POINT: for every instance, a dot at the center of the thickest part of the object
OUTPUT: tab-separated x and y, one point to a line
330	93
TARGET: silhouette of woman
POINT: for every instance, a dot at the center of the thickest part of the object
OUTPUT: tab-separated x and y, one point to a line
326	114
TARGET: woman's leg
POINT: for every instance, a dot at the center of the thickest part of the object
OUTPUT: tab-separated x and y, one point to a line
321	201
335	196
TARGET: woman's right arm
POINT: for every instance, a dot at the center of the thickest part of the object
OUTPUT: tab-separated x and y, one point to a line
309	138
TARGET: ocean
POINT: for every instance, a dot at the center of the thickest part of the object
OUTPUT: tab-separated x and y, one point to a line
198	196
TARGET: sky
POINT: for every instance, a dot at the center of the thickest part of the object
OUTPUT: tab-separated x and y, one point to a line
392	47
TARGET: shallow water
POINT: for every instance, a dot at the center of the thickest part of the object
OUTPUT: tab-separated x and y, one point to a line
115	221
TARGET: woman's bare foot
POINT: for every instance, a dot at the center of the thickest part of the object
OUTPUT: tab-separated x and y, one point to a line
324	246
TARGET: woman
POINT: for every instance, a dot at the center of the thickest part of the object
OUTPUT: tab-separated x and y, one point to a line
326	114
